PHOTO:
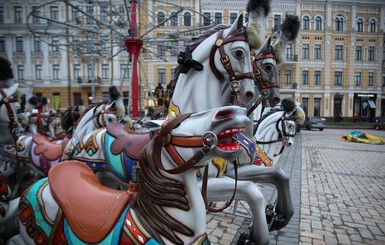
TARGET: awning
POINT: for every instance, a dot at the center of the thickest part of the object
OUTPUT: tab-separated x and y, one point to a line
372	105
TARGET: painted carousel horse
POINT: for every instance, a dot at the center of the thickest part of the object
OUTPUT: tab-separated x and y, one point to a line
164	206
46	124
9	135
220	189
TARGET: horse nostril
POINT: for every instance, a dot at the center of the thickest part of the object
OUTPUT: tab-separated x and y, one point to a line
276	100
290	144
224	114
249	95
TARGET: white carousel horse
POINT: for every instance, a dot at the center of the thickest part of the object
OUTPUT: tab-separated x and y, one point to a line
220	189
164	207
9	135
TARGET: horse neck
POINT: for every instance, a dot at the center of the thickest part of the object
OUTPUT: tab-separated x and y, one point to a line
267	131
86	124
198	90
180	189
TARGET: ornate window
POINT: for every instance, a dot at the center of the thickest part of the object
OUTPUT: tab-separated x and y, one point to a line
187	19
160	17
306	22
360	25
372	26
318	23
339	23
174	19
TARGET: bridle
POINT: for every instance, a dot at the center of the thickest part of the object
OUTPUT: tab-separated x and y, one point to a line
164	139
100	117
283	135
208	142
235	85
260	82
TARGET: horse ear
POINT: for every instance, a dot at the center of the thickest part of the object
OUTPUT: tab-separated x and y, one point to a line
266	48
238	23
11	90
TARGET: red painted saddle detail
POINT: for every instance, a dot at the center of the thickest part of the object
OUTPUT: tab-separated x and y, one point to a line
90	208
45	147
131	142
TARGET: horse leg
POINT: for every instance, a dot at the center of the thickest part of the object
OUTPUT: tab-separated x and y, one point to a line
284	210
221	189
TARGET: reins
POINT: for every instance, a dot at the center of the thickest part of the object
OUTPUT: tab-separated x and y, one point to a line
282	134
208	142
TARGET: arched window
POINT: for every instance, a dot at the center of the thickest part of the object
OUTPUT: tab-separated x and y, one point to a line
174	19
187	19
160	18
360	25
372	26
305	22
318	23
339	23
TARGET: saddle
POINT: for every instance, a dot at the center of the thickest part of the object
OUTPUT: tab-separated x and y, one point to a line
130	141
45	147
90	208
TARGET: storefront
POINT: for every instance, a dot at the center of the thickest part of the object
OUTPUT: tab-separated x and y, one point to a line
364	108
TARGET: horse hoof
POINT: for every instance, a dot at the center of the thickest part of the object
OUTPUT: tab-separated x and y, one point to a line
245	239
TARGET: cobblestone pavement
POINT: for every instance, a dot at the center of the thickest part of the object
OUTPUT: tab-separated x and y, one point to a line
338	193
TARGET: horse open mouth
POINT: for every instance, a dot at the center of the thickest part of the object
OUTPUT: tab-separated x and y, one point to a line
226	141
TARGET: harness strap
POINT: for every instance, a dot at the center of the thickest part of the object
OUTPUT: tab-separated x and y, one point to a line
204	189
225	60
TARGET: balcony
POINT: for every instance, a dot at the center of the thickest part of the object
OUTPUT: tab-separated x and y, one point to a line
54	55
19	55
86	81
37	55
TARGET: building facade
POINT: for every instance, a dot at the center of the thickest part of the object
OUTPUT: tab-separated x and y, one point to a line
71	53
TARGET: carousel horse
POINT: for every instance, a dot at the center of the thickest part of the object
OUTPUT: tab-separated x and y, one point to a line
220	189
9	135
46	124
163	205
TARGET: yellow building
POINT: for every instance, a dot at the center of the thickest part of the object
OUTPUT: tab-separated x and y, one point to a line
73	52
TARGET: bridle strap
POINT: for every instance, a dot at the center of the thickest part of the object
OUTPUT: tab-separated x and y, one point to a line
225	60
101	116
163	139
258	75
204	189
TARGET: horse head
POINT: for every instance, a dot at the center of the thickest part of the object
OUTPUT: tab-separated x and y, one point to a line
101	114
278	124
8	116
192	133
270	56
220	71
168	165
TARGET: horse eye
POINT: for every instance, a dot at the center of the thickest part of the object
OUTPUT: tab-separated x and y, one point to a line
268	67
239	54
110	119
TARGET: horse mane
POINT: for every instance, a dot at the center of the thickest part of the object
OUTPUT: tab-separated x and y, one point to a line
156	191
92	106
196	41
267	114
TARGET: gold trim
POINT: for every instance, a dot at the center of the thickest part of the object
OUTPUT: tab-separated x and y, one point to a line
41	203
138	224
173	110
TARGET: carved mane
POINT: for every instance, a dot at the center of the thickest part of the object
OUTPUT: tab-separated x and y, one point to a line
157	191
